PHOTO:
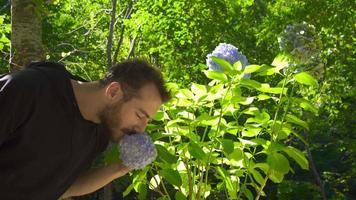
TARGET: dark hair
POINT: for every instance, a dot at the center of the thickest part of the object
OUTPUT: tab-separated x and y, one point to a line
133	74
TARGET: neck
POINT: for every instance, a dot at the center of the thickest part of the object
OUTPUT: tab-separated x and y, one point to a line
89	99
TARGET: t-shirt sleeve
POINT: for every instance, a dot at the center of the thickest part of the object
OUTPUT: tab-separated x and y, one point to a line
15	104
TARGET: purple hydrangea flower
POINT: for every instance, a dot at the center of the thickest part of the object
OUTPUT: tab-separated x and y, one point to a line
228	52
301	41
137	150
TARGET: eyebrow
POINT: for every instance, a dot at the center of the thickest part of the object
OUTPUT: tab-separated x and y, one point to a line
145	113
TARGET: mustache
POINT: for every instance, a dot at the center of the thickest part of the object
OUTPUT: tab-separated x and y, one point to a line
129	131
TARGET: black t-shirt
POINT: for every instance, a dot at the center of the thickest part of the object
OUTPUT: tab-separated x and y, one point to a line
45	142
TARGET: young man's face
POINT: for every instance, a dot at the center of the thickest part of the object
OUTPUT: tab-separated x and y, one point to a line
125	117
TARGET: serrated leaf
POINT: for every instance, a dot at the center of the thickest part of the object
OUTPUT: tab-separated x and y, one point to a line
306	79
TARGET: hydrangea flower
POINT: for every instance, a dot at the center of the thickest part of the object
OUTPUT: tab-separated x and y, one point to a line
137	150
301	41
228	52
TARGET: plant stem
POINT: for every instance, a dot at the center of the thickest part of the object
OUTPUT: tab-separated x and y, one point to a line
217	131
259	192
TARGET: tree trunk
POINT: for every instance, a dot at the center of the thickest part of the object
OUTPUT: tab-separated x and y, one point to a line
26	34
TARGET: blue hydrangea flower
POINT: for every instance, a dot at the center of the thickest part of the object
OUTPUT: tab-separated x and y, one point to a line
228	52
301	41
137	150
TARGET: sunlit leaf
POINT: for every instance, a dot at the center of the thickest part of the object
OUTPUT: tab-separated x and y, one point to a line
280	62
306	79
154	182
252	68
225	65
215	75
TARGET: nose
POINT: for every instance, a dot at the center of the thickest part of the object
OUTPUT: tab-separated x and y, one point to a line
142	125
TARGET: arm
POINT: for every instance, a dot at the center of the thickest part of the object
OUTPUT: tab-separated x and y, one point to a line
94	179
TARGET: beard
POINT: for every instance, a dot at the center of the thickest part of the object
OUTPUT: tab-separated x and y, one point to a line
111	121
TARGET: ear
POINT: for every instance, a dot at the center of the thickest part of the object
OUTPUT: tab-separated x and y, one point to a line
113	91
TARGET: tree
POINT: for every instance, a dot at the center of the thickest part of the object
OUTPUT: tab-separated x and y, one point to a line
26	34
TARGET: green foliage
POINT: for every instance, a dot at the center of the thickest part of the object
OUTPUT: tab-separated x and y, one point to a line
4	42
219	133
222	131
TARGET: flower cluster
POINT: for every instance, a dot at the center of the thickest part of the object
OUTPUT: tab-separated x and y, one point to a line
301	41
137	150
229	53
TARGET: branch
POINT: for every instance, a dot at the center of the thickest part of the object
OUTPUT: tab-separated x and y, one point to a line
110	36
127	15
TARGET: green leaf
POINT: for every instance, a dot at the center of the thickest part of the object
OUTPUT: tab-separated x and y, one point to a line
306	79
196	151
252	68
276	176
226	178
165	155
262	97
215	75
257	176
198	89
225	65
128	190
159	116
236	155
142	192
298	156
273	90
243	100
295	120
238	66
305	104
278	162
280	62
251	83
251	131
179	196
185	94
228	146
172	176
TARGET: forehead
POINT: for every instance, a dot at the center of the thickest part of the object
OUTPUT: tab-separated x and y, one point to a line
148	99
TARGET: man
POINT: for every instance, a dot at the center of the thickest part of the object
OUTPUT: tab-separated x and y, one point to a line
53	124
